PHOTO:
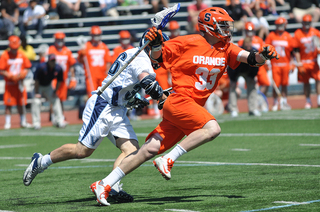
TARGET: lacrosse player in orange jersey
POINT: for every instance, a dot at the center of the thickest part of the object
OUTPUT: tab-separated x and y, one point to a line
124	40
14	66
284	44
96	59
196	63
257	42
306	56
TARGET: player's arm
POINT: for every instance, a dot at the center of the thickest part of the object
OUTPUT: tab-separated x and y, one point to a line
266	52
297	55
155	37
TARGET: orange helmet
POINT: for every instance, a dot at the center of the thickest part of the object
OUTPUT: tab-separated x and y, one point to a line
14	42
249	26
215	22
280	21
307	18
59	35
173	25
124	34
95	30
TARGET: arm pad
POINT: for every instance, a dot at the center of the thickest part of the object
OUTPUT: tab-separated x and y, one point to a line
151	87
252	59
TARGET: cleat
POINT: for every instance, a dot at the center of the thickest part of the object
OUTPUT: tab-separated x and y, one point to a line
285	106
33	169
254	113
25	125
234	114
164	166
307	105
101	192
119	195
275	107
7	126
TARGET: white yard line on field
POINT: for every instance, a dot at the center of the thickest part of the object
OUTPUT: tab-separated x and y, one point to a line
241	150
181	210
289	202
309	144
15	146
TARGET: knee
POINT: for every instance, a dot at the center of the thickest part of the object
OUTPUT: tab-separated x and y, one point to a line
82	152
152	150
214	131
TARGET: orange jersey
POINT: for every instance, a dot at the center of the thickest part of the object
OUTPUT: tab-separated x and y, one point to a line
162	77
284	44
14	64
64	59
196	66
97	58
308	50
118	50
257	42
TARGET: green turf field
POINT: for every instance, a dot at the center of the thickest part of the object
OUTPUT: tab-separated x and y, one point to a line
270	163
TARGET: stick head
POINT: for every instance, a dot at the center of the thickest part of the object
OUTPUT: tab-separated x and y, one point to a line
161	18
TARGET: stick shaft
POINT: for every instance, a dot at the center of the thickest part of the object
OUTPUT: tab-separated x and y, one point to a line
122	68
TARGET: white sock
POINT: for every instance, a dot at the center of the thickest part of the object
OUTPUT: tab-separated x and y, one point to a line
116	186
284	100
8	119
46	161
318	99
23	118
176	153
116	175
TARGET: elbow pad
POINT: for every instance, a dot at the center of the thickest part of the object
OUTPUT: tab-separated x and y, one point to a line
151	87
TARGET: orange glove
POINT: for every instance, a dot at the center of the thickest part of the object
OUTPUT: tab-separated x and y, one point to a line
155	37
268	52
302	70
72	83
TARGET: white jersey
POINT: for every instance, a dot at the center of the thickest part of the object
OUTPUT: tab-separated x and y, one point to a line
126	85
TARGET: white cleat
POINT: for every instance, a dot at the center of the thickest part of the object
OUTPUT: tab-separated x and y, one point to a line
285	106
234	114
275	107
254	113
26	125
101	192
33	169
7	126
164	166
307	105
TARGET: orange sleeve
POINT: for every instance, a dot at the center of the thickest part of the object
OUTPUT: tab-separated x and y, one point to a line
233	52
172	51
107	56
3	61
115	54
240	42
268	39
26	62
71	59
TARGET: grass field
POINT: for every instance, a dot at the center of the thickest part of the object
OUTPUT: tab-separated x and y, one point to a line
256	164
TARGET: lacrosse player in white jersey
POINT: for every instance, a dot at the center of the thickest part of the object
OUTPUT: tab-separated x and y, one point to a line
105	116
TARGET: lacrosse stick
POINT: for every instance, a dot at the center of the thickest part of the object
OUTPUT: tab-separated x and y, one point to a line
159	21
316	43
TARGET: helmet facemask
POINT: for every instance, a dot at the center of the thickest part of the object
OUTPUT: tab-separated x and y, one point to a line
223	31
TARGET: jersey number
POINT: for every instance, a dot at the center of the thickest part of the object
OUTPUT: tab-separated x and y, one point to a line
207	78
116	65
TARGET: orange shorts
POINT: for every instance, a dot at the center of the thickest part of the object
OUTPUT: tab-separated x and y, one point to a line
181	116
262	76
312	71
13	96
280	75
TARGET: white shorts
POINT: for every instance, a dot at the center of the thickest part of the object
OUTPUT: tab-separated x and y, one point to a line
100	119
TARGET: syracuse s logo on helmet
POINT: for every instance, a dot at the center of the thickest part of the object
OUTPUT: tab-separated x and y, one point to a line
207	17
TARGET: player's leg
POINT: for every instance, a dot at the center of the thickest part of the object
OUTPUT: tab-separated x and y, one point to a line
276	76
91	134
232	102
192	120
252	95
36	111
7	124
